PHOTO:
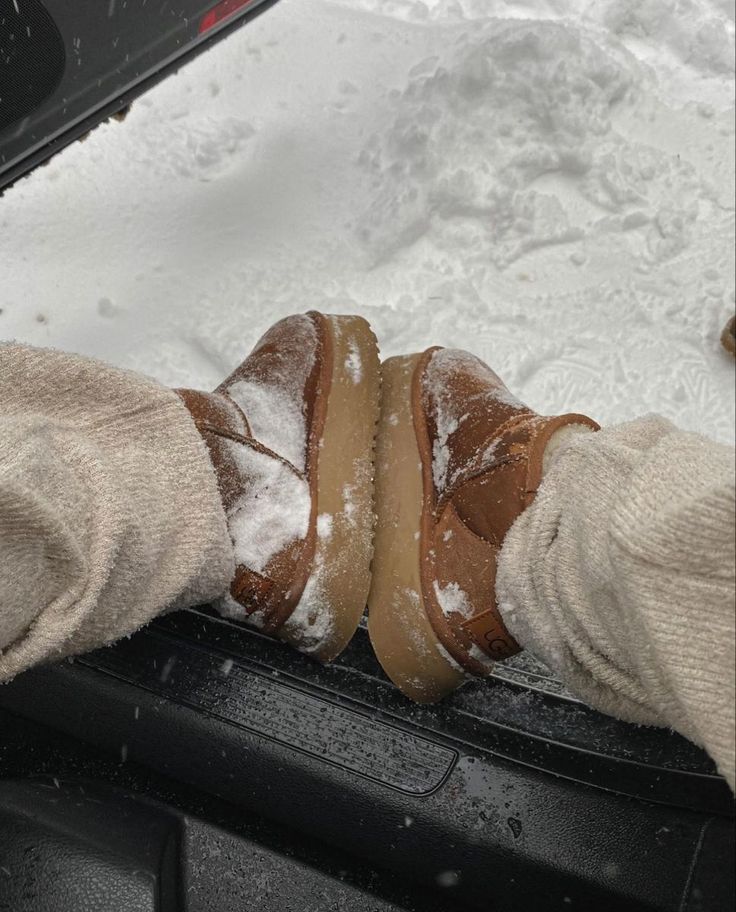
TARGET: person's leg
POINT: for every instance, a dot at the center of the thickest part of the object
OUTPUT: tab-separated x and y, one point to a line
620	576
109	506
120	499
610	554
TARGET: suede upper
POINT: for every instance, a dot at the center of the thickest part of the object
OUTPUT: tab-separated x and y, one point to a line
481	452
262	426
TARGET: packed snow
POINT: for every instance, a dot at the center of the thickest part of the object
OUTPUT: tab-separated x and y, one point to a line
273	510
548	183
452	600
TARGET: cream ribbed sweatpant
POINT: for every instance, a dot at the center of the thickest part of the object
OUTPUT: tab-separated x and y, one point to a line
620	575
109	509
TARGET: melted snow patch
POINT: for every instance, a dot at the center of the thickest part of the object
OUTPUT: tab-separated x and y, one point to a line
272	511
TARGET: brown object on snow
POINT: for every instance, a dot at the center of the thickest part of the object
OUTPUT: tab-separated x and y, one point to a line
728	336
291	435
457	460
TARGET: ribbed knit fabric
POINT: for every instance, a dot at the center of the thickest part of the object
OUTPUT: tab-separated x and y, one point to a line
621	577
109	508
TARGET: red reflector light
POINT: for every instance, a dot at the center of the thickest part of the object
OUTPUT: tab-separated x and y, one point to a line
219	13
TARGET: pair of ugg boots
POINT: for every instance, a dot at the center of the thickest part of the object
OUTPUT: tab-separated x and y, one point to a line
348	482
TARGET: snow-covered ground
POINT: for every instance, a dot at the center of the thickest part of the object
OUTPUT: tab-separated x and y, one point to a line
548	183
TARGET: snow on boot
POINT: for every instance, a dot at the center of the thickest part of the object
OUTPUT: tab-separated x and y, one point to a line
291	436
458	459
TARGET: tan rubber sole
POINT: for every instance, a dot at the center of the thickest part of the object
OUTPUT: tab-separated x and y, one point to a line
336	593
403	639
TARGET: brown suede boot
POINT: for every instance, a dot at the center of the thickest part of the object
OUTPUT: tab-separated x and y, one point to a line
458	459
291	436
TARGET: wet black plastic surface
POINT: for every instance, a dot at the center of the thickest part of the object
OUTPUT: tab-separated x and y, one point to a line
72	844
507	796
274	708
521	713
